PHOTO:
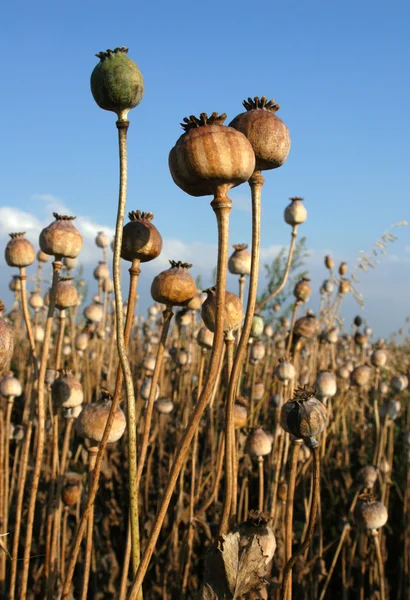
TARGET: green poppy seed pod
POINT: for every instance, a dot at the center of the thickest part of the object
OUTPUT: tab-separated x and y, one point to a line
66	293
240	261
304	417
367	476
233	314
61	239
141	240
10	387
66	390
19	251
93	418
378	358
210	158
267	134
6	340
258	443
295	212
257	326
370	514
302	290
175	286
257	526
116	82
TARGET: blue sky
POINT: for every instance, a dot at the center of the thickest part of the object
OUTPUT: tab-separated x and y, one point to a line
338	70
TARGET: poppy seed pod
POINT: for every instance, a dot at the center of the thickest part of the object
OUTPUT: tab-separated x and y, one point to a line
304	417
370	514
302	290
92	420
305	326
66	293
70	263
15	284
101	271
209	156
116	82
81	341
367	476
378	358
19	251
39	333
10	387
267	134
102	240
360	376
72	489
6	340
258	350
360	339
358	321
61	238
141	240
326	385
295	212
164	406
205	338
67	391
329	263
258	390
344	286
257	326
268	330
36	301
145	389
195	303
175	286
240	261
94	312
257	526
285	371
399	383
258	443
233	314
328	286
240	415
42	257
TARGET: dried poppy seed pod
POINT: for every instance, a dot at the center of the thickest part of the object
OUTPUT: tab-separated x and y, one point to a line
240	415
175	286
195	303
66	293
268	330
81	341
360	376
205	338
358	321
343	372
257	526
71	493
70	263
258	350
258	390
295	212
267	134
19	251
42	257
10	387
39	333
329	263
360	339
258	443
378	358
285	371
342	269
328	286
233	314
398	383
306	326
15	284
116	82
326	385
257	326
94	312
304	417
67	391
145	389
344	286
6	340
61	238
141	239
367	476
390	409
240	261
92	420
164	406
370	514
102	240
36	301
101	271
302	290
210	158
332	336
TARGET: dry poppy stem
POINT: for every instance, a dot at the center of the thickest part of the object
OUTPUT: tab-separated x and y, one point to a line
312	521
256	183
295	449
57	265
60	339
346	528
92	454
222	207
26	314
